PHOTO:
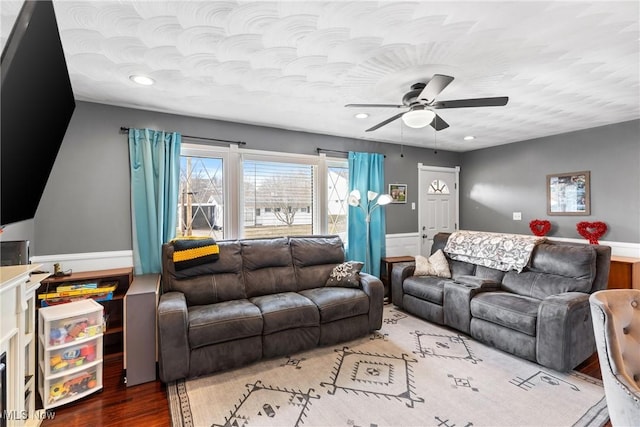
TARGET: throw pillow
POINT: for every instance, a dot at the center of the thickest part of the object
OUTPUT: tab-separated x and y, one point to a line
435	265
191	252
346	275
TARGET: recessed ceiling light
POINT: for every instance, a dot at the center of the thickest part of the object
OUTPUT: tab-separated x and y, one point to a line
469	137
142	80
361	116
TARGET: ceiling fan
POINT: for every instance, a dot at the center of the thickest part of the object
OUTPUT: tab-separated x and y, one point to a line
420	103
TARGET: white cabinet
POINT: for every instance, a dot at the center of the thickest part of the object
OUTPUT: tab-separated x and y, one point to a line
18	342
70	351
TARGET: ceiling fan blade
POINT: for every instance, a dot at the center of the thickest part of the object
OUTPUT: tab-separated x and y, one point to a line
436	85
374	105
386	122
438	123
498	101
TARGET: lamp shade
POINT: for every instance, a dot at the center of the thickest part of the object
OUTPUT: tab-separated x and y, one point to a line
418	118
354	198
384	199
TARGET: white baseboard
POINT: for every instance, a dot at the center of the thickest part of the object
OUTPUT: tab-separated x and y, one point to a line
87	261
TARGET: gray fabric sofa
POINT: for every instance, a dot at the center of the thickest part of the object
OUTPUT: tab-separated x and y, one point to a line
261	298
541	314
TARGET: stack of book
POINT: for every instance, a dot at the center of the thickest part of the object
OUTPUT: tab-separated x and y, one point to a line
68	292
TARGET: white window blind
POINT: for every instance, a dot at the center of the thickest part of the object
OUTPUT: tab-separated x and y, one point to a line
278	198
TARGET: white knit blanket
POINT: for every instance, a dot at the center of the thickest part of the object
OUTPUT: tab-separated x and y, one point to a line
501	251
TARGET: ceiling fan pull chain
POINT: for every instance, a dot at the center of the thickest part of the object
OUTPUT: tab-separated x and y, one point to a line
401	139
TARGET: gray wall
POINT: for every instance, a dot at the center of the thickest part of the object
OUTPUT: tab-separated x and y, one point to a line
498	181
86	207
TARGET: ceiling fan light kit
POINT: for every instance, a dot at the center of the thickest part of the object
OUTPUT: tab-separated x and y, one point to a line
418	118
421	100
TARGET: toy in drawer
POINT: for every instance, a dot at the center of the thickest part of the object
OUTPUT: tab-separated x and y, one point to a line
67	358
67	323
64	389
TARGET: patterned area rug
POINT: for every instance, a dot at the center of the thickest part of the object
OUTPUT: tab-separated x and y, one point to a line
409	373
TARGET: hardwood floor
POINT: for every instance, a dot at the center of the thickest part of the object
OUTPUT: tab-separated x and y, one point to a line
117	404
146	404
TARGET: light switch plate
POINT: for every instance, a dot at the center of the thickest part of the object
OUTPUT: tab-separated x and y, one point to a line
517	216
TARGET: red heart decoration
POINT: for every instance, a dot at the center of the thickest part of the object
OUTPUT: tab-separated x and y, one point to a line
591	231
540	227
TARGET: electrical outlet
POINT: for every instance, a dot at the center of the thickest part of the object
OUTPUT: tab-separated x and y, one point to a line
517	216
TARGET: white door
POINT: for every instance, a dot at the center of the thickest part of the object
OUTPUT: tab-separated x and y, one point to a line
438	203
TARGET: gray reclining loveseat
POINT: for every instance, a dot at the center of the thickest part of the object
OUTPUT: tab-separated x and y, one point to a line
261	298
541	313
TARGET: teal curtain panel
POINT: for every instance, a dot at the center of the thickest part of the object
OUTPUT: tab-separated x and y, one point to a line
154	158
366	173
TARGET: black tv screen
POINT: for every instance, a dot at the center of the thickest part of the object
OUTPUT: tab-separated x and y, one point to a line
36	105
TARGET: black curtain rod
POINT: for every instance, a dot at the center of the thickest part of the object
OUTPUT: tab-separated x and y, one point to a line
326	150
200	138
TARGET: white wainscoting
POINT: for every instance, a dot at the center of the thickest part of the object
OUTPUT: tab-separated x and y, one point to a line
403	244
397	245
88	261
617	248
409	244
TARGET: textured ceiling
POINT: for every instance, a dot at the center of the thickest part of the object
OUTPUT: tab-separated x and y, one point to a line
294	64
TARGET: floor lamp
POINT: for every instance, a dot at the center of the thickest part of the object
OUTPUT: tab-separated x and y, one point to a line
374	200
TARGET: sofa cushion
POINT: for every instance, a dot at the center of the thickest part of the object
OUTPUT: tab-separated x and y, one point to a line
338	303
554	269
489	273
314	257
578	262
429	288
209	283
268	268
286	311
512	311
542	285
461	268
225	321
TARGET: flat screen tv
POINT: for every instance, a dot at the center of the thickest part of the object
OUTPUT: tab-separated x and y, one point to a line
36	105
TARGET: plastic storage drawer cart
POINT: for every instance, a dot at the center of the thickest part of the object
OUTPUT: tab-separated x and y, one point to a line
70	351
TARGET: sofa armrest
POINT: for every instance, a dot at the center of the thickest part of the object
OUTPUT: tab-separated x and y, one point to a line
564	331
457	299
173	336
400	271
373	287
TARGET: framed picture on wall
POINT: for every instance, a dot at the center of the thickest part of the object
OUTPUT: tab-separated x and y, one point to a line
568	194
398	193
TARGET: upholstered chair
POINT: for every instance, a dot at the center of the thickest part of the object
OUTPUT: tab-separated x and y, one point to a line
616	323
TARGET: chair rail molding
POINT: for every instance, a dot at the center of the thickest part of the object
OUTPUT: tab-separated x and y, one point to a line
87	261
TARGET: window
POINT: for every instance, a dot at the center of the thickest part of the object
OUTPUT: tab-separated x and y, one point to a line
338	180
438	187
201	198
228	192
282	188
